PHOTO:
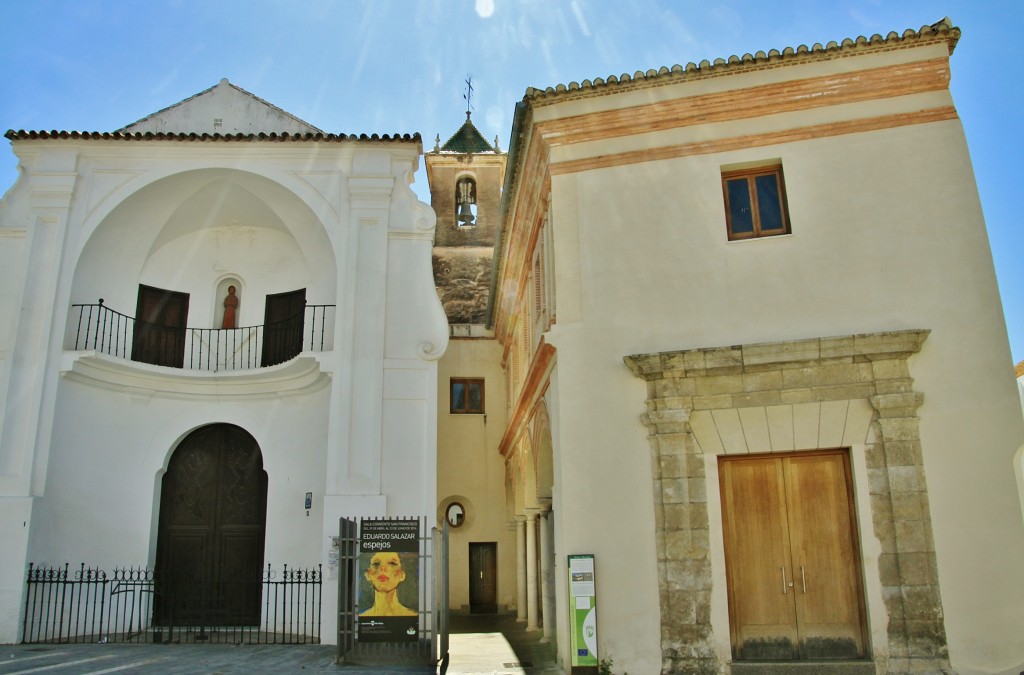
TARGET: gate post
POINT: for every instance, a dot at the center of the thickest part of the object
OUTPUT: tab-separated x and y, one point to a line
347	550
441	593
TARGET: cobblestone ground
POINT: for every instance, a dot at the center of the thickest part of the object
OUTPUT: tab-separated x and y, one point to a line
495	645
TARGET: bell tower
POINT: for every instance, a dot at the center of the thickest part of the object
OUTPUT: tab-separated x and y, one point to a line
465	176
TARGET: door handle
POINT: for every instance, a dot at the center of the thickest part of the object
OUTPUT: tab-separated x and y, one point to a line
803	578
783	568
481	574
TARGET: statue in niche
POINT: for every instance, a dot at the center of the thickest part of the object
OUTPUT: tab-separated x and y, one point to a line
230	309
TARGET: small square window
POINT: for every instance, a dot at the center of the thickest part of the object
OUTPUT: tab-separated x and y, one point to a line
755	202
467	395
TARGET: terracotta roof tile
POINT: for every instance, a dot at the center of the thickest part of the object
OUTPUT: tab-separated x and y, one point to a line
1019	369
943	29
19	135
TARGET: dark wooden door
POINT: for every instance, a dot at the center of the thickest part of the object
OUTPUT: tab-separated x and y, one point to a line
791	557
282	329
483	578
160	318
213	511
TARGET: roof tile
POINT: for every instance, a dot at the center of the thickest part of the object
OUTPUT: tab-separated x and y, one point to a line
941	29
21	134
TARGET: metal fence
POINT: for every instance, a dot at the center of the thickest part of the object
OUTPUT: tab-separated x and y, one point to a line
96	327
85	605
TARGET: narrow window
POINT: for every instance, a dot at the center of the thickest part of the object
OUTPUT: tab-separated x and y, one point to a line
755	202
467	395
465	202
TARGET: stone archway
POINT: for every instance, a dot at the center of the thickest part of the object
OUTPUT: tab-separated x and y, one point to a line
213	515
728	400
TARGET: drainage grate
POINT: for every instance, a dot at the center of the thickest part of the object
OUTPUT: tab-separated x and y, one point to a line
524	664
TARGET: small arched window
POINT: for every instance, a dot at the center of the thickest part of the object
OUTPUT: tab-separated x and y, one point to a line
465	202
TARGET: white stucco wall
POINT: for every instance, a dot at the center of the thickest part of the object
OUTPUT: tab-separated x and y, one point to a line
102	500
90	435
222	109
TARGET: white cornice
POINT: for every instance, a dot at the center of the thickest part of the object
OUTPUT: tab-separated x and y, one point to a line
302	375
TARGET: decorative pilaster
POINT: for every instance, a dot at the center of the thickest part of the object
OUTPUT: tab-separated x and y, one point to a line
683	541
520	569
901	516
531	570
547	605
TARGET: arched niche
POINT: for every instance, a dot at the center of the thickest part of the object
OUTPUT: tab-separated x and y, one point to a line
191	231
220	304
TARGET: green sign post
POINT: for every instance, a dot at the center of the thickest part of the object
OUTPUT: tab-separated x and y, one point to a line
583	613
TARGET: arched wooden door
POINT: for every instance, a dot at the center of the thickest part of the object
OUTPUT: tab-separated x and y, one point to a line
213	515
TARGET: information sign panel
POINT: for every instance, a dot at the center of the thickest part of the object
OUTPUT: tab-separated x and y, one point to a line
583	610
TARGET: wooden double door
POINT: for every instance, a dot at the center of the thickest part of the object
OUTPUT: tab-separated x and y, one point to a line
792	557
213	512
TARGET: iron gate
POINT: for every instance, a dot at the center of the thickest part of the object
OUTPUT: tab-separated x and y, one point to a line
430	646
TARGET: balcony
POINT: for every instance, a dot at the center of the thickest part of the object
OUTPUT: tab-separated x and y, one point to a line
100	329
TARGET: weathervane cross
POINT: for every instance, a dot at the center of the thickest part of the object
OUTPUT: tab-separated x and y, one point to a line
469	94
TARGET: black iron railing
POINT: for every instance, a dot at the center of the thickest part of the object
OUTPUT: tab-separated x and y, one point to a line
65	605
96	327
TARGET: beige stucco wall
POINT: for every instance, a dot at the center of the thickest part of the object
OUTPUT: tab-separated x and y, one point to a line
887	235
470	469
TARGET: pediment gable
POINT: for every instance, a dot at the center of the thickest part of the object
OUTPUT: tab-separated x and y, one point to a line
224	108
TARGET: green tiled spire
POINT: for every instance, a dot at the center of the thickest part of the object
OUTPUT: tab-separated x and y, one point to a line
467	139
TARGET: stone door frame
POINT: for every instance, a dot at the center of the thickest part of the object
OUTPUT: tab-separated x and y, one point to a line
852	391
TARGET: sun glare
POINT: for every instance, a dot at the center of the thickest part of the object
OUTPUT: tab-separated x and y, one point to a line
485	8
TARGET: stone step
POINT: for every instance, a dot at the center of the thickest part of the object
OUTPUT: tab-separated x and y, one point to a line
803	667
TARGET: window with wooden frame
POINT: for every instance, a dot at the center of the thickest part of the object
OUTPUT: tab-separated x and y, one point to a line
467	395
755	202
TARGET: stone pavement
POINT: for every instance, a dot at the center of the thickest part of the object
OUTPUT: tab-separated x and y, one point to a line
499	645
480	645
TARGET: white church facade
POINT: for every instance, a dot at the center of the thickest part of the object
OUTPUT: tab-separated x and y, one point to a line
116	431
732	329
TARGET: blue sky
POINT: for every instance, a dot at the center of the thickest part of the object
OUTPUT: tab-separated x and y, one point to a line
397	66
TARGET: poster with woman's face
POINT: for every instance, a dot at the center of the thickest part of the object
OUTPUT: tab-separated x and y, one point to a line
388	591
